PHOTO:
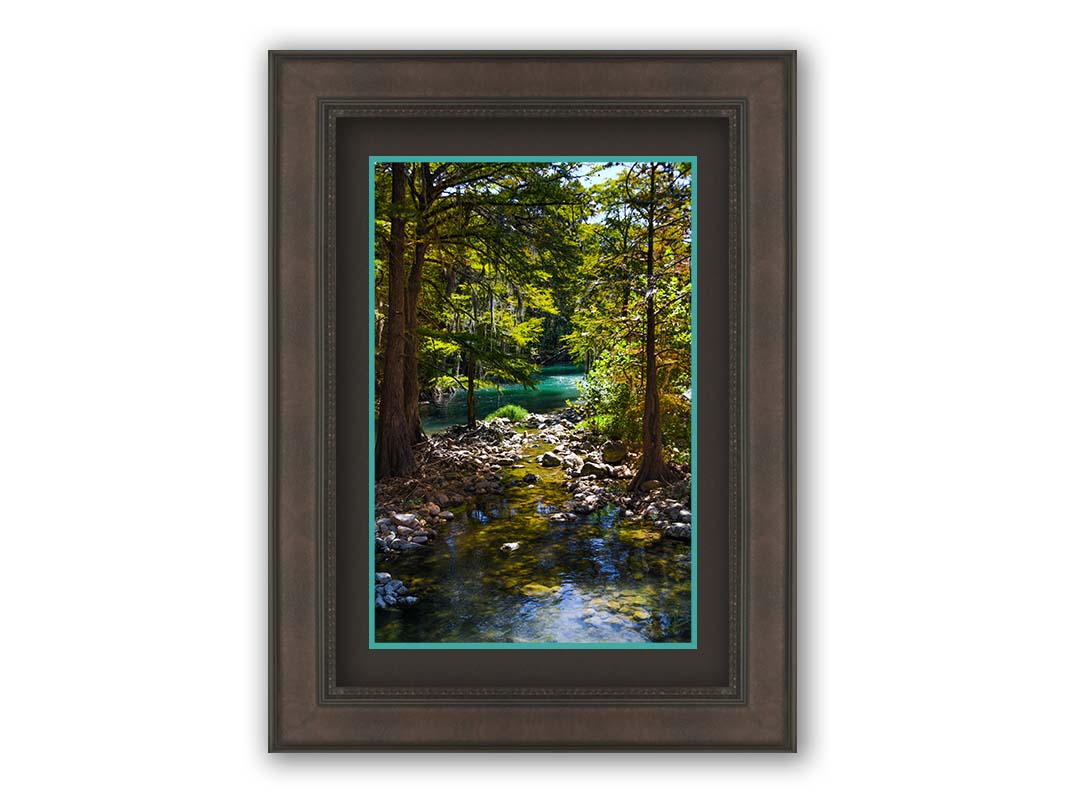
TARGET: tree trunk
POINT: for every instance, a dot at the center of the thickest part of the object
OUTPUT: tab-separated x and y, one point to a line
414	289
392	447
652	468
470	390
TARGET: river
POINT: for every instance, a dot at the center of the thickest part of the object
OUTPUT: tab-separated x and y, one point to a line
555	386
597	579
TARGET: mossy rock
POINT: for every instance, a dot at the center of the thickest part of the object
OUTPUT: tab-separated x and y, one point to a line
537	590
639	537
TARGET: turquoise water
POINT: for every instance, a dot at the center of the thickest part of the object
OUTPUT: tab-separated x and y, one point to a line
554	387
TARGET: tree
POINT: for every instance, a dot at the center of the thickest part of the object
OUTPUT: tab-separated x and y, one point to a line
653	467
486	238
486	270
393	454
637	249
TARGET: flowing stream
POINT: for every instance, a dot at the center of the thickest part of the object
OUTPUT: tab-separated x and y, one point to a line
598	579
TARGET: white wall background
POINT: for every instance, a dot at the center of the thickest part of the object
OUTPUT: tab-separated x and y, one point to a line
932	404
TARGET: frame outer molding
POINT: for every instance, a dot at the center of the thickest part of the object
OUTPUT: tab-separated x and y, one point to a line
330	110
766	82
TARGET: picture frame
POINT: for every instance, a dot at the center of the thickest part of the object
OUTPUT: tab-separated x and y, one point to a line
328	690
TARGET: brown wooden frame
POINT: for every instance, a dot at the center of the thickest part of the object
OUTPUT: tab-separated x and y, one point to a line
308	92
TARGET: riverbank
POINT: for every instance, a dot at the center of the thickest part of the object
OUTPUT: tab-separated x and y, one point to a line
536	518
455	467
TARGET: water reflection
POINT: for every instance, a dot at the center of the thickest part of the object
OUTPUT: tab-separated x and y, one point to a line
599	578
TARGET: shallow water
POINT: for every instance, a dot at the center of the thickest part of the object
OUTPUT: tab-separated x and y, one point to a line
554	387
598	579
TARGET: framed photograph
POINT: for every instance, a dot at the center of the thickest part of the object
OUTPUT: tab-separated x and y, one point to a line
532	400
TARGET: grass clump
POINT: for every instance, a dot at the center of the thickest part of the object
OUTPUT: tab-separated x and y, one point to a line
512	412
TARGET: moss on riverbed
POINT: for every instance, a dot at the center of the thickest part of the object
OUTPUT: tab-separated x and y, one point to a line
595	578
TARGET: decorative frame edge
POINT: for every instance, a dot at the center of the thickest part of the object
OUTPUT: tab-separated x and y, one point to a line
329	111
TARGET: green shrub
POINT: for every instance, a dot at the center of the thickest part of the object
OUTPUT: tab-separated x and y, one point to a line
512	412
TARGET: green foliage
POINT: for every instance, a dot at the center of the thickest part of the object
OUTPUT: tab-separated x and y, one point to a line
529	263
513	412
608	319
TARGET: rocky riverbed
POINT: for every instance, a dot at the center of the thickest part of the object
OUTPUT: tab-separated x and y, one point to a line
584	482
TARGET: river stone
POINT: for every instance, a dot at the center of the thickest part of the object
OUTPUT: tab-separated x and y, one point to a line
573	461
433	509
420	539
550	460
529	477
382	577
536	590
410	600
379	602
613	452
599	470
678	530
405	519
685	515
558	518
404	531
446	515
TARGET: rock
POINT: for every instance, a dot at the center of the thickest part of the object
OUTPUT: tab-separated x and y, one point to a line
392	586
390	599
410	600
650	486
409	520
379	602
613	452
509	547
404	531
597	470
536	590
400	544
678	530
560	517
674	512
529	477
446	515
433	509
382	577
639	614
639	537
550	460
420	539
685	515
573	461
